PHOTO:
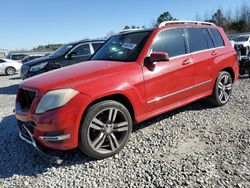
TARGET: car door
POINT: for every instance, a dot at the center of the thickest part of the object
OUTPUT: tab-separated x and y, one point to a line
80	53
203	54
169	82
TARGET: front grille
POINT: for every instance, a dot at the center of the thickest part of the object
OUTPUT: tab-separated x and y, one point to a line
25	99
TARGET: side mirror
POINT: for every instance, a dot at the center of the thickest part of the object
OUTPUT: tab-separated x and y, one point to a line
158	56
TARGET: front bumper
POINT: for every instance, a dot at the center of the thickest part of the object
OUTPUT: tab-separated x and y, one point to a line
56	129
26	135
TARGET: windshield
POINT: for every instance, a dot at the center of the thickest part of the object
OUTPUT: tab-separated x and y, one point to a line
61	51
241	39
125	47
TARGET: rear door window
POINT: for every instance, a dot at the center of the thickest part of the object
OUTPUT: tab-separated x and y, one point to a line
171	41
217	38
199	39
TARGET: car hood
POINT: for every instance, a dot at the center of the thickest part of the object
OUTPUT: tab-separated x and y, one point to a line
40	60
242	43
74	75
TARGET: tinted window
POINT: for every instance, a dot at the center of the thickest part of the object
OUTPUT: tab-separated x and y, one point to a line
18	57
96	46
82	50
125	47
199	39
170	41
62	50
209	40
218	40
241	39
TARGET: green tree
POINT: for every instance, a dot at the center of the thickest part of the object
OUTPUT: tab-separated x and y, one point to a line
165	16
238	26
126	27
218	18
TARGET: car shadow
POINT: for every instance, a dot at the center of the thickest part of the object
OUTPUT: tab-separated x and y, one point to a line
195	106
244	77
19	158
15	78
9	90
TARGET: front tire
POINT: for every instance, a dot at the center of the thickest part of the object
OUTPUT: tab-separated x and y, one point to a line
222	89
10	71
105	130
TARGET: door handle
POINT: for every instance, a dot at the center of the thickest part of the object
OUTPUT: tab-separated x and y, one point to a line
214	53
186	61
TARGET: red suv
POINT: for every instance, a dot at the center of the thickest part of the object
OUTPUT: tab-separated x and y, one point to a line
134	76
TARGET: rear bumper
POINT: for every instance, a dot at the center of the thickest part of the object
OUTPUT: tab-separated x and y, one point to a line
56	129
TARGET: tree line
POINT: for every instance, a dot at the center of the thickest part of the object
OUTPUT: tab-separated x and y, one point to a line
237	21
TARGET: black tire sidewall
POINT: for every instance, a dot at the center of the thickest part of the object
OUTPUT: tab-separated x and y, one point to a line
90	114
6	70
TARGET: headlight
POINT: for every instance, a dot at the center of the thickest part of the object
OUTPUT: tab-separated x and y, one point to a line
38	67
55	99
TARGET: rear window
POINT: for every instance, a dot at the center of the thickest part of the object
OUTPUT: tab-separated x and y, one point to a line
199	39
217	38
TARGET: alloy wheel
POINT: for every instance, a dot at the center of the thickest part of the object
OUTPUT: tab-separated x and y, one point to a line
10	71
224	88
108	130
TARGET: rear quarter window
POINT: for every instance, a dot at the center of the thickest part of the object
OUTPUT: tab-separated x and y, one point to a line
217	38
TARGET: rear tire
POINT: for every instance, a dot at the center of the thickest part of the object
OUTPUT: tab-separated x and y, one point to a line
105	130
222	89
10	71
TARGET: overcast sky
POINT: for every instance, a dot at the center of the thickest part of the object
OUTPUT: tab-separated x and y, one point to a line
28	23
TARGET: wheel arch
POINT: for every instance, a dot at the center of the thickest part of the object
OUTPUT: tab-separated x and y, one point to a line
121	98
230	71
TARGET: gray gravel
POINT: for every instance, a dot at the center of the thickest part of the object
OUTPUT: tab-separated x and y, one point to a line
194	146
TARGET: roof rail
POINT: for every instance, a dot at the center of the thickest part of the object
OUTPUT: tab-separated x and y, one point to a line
185	22
130	30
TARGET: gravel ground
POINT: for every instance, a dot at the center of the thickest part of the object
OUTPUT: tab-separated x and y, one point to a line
194	146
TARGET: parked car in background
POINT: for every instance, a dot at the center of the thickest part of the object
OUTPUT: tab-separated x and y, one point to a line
244	65
134	76
9	67
66	55
242	45
29	58
16	57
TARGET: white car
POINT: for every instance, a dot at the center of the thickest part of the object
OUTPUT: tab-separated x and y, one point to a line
242	40
9	67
